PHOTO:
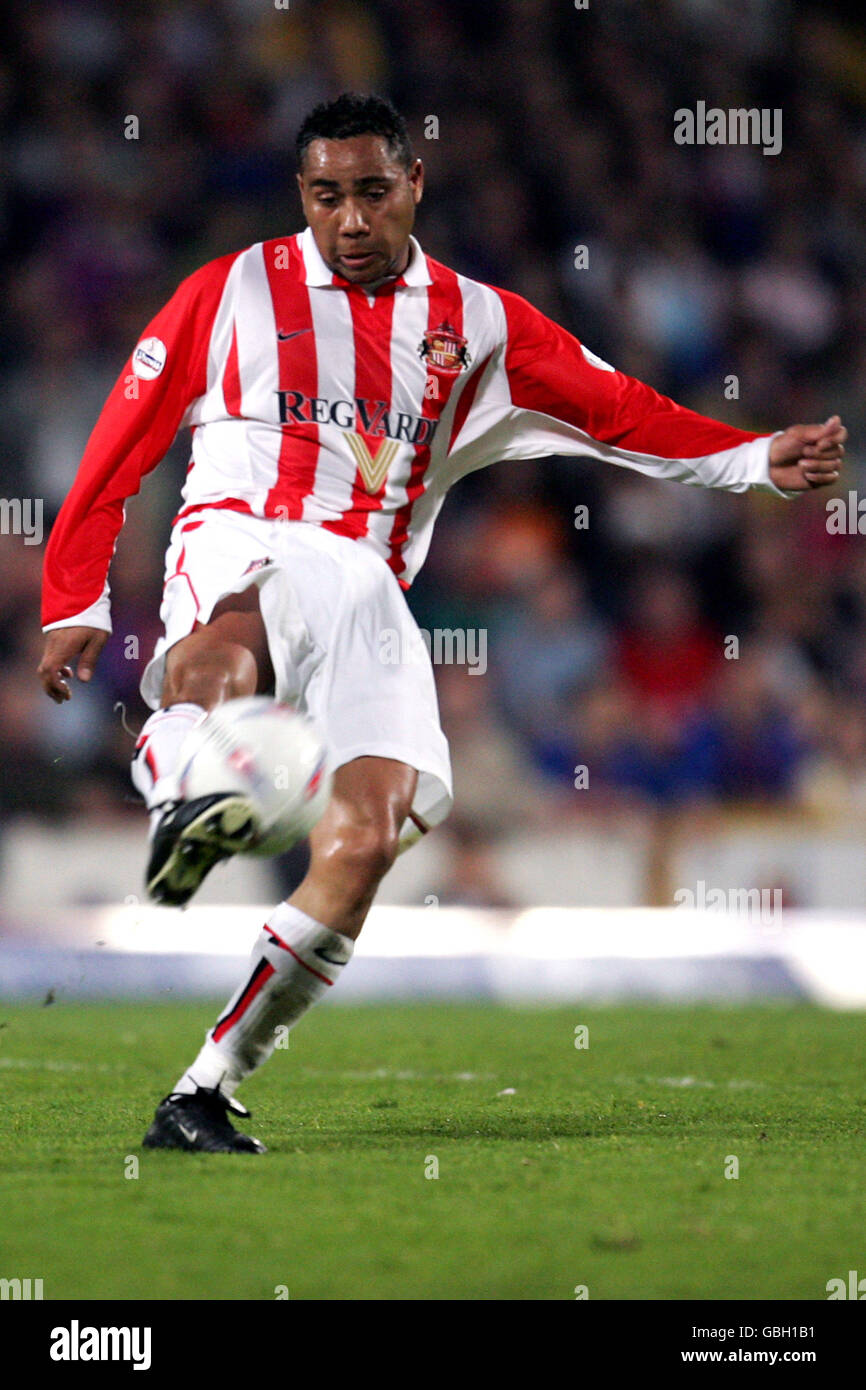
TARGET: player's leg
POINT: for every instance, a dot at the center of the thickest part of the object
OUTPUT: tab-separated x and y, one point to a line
355	842
223	659
325	606
300	954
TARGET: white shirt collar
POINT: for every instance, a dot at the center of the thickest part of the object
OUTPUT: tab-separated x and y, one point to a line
320	274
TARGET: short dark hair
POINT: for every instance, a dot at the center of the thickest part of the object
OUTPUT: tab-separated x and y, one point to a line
353	113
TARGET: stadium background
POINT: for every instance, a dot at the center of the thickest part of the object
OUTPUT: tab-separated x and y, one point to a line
605	645
582	1147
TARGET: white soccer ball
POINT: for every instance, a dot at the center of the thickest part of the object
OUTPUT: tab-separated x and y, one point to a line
267	752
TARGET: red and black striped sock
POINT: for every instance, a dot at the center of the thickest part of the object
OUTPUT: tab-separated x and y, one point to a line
294	963
154	763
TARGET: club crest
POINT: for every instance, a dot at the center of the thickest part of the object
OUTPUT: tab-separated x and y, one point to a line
444	349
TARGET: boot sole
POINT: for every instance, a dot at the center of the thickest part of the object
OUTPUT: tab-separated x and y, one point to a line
223	830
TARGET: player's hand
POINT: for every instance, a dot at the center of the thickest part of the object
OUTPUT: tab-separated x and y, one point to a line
808	456
62	646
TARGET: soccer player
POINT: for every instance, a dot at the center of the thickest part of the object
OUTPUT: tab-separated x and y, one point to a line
336	383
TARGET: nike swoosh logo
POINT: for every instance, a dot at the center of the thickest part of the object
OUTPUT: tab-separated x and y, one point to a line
190	1134
323	955
284	337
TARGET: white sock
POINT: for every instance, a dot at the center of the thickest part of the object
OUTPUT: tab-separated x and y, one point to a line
295	961
155	761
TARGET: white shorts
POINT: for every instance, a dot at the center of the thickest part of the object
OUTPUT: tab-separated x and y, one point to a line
344	646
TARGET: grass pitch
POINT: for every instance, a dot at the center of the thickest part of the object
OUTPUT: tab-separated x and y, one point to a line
605	1168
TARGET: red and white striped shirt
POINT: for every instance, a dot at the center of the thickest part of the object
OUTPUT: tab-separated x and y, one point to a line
316	400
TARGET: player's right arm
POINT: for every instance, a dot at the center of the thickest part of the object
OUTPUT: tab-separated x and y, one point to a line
164	376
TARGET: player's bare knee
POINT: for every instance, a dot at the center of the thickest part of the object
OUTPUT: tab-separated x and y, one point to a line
362	855
367	858
206	672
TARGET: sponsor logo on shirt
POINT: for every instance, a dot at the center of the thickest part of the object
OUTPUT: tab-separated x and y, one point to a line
444	350
148	359
372	418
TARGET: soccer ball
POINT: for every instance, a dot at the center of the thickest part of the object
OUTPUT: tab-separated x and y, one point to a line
267	752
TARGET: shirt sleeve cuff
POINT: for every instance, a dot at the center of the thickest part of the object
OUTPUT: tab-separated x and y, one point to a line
759	466
97	615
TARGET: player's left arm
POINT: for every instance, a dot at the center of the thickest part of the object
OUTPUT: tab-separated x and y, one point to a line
552	375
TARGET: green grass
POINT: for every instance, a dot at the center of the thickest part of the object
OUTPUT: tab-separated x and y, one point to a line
602	1170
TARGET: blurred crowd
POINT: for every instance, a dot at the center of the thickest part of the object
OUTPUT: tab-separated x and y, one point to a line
662	648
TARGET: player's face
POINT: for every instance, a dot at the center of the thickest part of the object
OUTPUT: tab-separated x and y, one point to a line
360	204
